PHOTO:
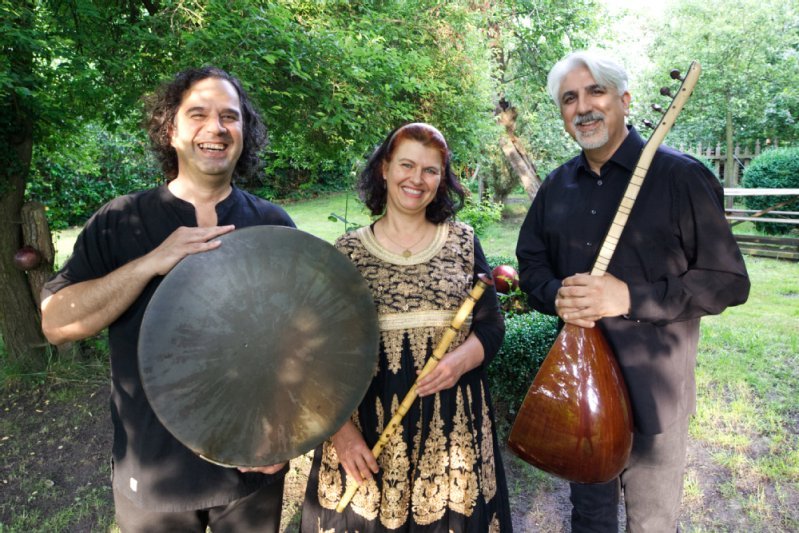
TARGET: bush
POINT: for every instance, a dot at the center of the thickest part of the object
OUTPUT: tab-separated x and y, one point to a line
528	338
773	169
495	260
90	168
480	215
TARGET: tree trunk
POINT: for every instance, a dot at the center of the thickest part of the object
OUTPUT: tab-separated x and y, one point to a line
729	164
20	326
515	154
36	233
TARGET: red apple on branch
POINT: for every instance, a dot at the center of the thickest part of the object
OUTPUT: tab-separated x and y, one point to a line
27	258
506	278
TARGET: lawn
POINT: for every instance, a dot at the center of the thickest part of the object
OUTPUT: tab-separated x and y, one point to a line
742	475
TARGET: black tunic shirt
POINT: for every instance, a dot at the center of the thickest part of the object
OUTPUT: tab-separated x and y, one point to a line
677	255
151	467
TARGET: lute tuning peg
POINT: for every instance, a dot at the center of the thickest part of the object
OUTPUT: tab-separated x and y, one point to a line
656	107
675	75
665	91
648	123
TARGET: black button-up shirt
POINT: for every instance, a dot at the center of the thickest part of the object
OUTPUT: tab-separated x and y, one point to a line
677	256
151	467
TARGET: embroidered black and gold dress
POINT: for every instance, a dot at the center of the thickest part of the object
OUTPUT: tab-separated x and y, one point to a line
441	471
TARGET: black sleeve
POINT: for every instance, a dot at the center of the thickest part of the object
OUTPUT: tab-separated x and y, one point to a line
92	255
487	321
537	277
716	276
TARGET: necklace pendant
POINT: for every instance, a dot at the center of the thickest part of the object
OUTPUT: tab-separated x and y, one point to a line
406	254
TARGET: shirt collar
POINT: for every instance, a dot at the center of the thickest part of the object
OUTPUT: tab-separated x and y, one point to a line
222	207
626	155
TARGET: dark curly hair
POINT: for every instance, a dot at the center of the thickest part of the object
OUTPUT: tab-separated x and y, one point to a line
450	194
162	106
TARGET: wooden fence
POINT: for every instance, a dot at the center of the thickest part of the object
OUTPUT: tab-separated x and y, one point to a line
742	156
781	211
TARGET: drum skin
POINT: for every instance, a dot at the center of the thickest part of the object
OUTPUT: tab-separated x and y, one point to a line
576	420
255	352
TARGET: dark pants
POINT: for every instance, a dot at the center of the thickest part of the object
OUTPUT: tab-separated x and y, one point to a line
652	483
259	511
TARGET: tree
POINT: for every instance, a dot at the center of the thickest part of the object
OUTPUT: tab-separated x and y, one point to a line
330	77
527	37
17	136
59	60
749	51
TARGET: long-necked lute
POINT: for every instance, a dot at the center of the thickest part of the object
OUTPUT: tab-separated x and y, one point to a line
576	420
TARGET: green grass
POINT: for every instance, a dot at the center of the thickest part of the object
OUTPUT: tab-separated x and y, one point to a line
747	380
312	215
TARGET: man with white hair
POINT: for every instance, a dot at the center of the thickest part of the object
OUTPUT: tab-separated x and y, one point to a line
676	261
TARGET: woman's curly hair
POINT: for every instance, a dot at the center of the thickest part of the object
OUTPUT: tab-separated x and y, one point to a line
162	106
371	187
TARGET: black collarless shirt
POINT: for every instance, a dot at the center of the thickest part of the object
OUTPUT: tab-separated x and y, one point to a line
677	256
151	467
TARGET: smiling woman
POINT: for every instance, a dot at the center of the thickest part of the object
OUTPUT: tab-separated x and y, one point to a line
442	469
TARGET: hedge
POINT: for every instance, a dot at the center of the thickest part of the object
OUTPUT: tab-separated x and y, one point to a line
773	169
528	338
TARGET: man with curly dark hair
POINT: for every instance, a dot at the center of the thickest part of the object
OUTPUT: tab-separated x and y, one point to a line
205	131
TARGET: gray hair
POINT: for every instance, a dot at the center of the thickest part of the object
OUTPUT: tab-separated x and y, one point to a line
606	72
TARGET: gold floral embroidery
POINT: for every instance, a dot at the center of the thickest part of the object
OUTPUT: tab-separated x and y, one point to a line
420	341
463	487
329	489
395	466
366	500
431	487
392	345
417	445
418	319
380	415
436	279
488	472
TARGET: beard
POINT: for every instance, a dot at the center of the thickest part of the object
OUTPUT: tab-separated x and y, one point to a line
596	138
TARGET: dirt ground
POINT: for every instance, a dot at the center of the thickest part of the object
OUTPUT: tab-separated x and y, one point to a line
52	451
54	459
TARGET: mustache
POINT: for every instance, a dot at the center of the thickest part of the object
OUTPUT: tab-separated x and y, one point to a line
588	117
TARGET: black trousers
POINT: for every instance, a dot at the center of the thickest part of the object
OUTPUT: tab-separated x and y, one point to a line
257	512
652	483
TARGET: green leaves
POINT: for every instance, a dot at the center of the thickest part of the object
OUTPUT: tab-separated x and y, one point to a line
749	51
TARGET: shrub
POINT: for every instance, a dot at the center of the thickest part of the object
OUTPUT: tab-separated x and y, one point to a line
90	168
497	259
480	215
773	169
528	338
